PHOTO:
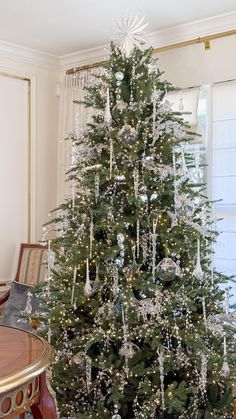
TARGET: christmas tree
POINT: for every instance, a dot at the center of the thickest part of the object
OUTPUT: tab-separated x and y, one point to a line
133	309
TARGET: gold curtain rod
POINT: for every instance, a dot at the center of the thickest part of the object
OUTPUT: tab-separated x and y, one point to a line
202	39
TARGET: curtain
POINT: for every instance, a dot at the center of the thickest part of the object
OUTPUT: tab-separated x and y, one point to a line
72	117
187	100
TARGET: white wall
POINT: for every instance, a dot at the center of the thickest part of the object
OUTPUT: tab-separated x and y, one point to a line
44	128
193	65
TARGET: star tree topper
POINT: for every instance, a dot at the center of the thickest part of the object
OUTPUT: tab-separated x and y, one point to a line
129	34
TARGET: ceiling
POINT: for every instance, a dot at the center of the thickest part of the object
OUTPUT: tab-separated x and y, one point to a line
60	27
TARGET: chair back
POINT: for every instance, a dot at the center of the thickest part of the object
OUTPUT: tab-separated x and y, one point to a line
32	264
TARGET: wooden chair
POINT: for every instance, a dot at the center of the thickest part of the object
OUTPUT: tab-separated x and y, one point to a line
31	266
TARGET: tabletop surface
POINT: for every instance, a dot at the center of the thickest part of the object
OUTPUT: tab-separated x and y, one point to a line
23	355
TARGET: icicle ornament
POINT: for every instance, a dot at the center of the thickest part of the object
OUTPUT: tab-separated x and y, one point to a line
203	374
87	288
198	272
107	114
96	187
225	371
136	182
154	245
161	368
111	157
137	238
144	242
184	168
204	311
73	286
120	241
91	237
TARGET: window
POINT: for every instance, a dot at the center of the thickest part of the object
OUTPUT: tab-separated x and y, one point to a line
223	175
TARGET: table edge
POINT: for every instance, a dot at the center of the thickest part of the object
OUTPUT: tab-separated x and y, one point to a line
14	380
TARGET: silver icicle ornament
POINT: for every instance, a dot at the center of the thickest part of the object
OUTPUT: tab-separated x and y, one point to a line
107	114
87	288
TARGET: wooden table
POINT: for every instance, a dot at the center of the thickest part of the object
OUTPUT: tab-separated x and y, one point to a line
24	358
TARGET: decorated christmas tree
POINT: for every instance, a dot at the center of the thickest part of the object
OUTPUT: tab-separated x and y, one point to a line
133	308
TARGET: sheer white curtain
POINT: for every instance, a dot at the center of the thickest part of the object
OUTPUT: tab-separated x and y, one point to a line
72	115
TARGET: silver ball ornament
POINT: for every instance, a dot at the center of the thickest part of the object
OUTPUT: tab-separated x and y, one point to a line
119	76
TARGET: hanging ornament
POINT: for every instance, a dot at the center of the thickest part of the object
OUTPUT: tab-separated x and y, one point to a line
28	307
161	368
154	245
116	416
107	114
84	362
134	253
137	238
167	269
96	187
97	280
119	77
198	272
73	286
145	247
184	169
127	134
136	182
155	97
111	157
225	371
203	374
128	349
110	216
91	238
120	240
204	311
87	288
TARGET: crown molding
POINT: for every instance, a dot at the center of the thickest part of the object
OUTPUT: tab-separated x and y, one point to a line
26	55
83	57
169	36
193	30
172	35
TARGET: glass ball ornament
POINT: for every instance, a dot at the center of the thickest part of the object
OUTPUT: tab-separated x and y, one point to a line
127	134
116	416
119	262
119	75
167	269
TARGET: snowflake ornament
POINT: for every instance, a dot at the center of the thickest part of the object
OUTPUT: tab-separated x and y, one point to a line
129	34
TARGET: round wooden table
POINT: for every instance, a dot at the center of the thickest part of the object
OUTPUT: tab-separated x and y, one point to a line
24	358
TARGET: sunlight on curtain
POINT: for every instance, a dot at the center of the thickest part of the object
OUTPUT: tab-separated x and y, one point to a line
72	115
